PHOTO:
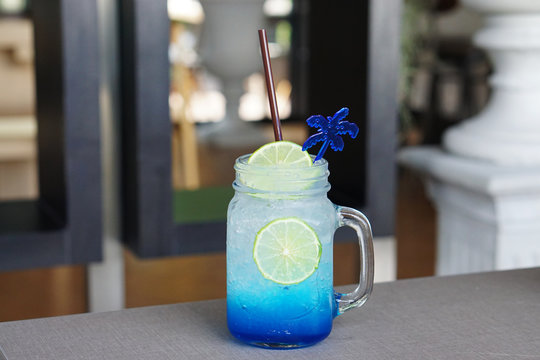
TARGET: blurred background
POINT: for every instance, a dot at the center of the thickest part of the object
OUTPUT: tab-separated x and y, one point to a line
218	111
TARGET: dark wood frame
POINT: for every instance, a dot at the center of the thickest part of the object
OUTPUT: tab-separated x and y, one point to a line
148	226
383	56
344	70
64	225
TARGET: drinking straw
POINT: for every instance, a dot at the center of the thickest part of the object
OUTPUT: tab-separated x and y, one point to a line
263	40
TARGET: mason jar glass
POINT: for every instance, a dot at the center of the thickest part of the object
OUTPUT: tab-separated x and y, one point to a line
280	230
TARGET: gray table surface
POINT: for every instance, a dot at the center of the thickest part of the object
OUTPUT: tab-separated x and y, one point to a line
480	316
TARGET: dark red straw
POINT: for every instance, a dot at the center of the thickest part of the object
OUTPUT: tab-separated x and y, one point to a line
270	84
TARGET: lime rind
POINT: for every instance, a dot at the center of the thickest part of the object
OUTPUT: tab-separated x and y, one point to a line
287	251
282	154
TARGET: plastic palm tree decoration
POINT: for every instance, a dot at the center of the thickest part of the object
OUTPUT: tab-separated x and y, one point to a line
330	129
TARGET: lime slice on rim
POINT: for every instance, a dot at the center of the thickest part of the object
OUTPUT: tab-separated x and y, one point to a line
287	251
280	153
277	157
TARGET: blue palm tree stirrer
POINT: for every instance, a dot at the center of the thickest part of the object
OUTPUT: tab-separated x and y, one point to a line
329	130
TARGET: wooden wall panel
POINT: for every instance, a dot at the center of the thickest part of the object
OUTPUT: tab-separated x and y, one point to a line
415	228
38	293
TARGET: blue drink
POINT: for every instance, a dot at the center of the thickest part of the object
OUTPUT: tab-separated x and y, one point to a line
282	307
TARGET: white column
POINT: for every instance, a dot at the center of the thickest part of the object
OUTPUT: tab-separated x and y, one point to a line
486	187
488	216
507	131
230	30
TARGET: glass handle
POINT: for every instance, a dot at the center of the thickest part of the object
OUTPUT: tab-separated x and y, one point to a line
359	222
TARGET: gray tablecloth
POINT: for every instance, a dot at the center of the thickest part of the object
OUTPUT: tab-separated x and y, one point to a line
479	316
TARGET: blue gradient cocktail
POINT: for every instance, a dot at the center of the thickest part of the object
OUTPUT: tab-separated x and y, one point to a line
279	252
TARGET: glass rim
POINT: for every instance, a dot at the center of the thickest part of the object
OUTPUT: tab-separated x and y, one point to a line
303	180
242	163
